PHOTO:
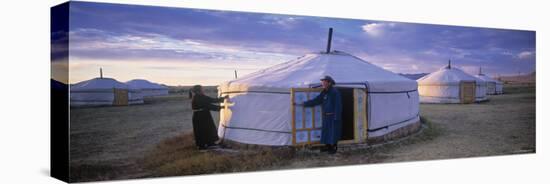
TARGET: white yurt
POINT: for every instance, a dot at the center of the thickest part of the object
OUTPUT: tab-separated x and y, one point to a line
148	88
103	91
494	87
499	87
451	85
376	102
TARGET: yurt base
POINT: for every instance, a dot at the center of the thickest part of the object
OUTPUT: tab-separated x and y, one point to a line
242	146
482	101
397	134
435	100
400	133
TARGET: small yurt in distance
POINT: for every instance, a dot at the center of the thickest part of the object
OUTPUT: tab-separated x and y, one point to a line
376	102
451	85
148	88
494	87
103	91
499	87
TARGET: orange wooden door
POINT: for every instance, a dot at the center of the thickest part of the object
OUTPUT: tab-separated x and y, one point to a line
468	92
121	97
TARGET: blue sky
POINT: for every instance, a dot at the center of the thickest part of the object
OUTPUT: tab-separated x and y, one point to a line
179	46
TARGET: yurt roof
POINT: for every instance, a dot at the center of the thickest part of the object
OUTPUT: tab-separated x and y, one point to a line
307	70
98	83
447	75
486	78
144	84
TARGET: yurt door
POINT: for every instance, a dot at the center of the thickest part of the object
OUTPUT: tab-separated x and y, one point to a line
354	115
121	97
306	122
467	92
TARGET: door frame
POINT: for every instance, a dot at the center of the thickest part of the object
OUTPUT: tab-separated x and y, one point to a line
463	94
361	108
117	100
360	116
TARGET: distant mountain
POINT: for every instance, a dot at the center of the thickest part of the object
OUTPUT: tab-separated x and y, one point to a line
529	78
414	76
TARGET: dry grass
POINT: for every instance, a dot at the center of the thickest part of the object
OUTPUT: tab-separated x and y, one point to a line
178	156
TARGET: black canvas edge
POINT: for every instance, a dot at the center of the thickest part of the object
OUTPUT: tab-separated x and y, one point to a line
59	94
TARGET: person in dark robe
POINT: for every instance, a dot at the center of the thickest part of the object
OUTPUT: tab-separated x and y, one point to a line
331	103
204	129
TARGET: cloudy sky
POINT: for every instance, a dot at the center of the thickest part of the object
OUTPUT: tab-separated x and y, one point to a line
178	46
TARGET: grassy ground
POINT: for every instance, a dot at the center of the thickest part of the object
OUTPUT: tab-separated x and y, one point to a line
503	125
154	139
178	156
107	141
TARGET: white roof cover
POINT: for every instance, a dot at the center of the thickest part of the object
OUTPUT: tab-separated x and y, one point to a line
309	69
144	84
98	84
448	76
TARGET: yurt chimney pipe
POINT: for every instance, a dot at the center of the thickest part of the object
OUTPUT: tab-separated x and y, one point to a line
329	39
101	73
235	74
449	65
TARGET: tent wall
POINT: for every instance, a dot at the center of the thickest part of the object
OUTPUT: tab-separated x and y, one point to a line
391	108
257	118
135	97
481	91
93	98
265	118
390	129
492	84
498	88
439	93
491	88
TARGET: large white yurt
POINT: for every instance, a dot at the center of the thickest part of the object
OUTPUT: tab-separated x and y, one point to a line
376	102
451	85
103	91
494	87
148	88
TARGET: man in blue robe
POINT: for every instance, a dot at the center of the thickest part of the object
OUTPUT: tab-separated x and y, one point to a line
331	103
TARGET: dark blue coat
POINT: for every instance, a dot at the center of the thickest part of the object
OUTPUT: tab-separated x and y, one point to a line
332	114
